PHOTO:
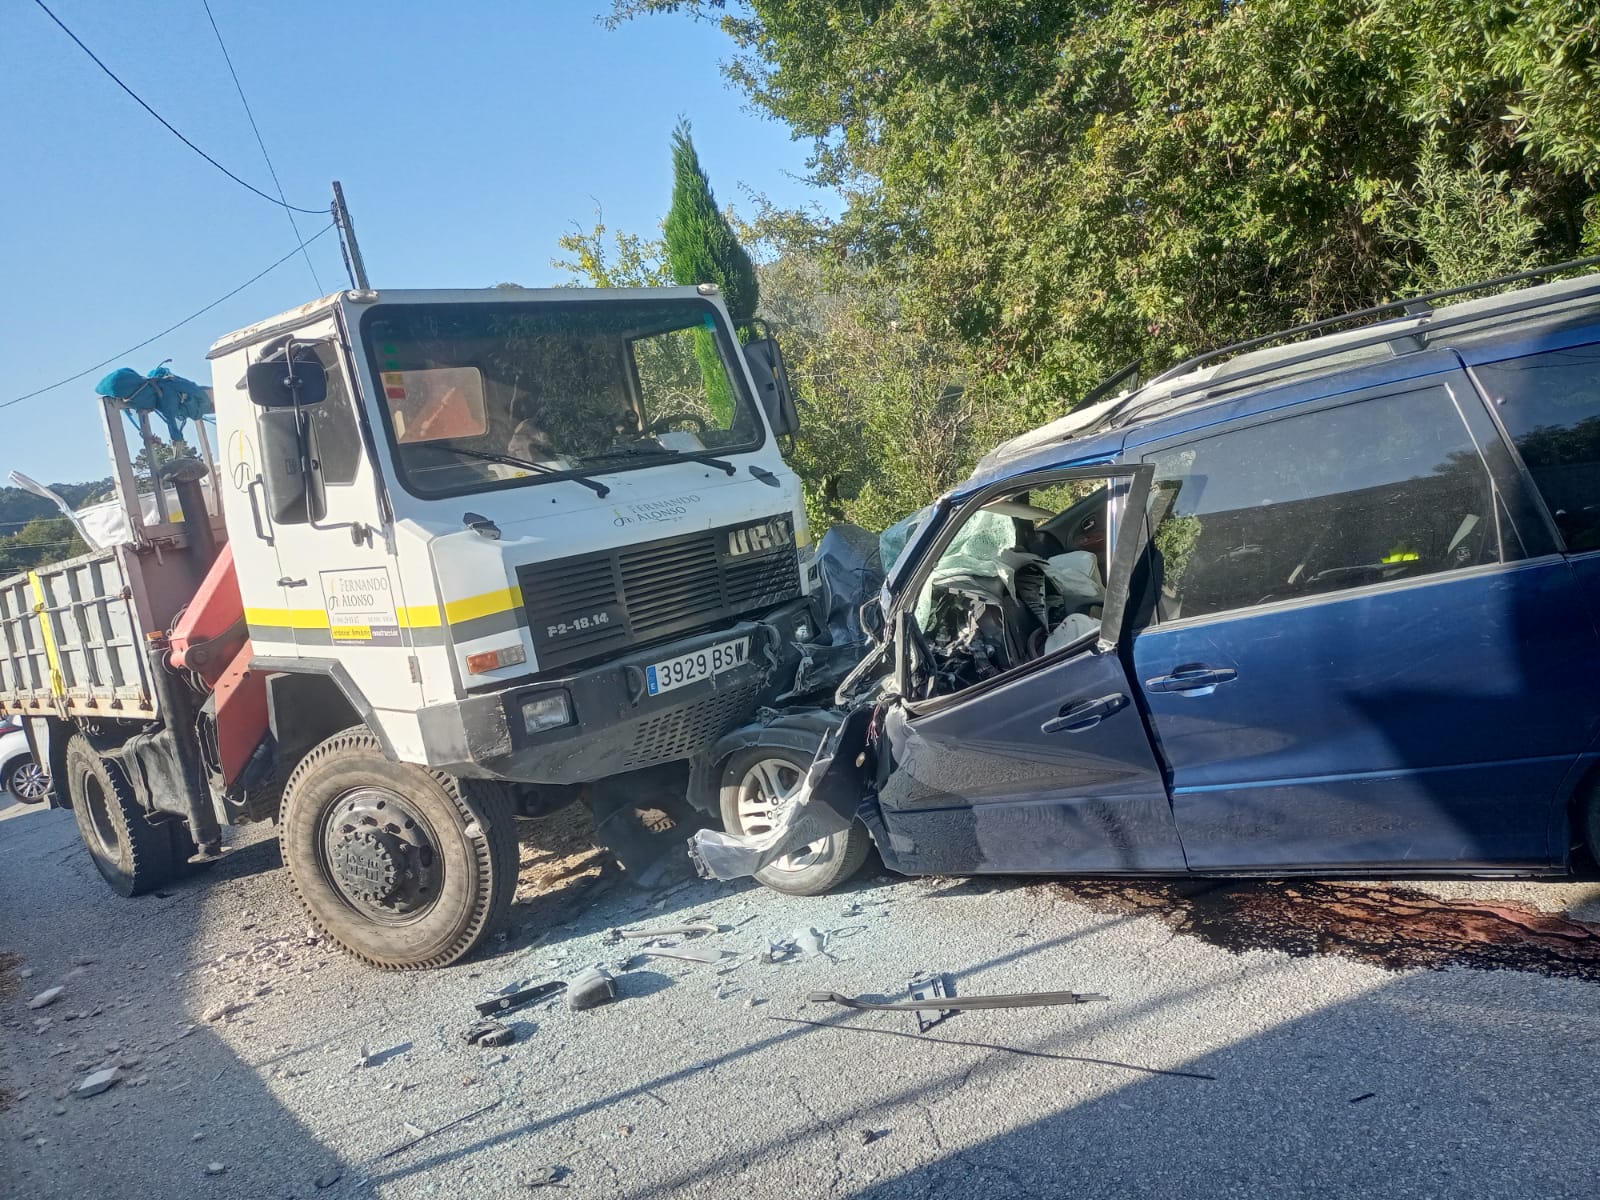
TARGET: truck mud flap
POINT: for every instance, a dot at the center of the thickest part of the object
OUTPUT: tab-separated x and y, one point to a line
825	804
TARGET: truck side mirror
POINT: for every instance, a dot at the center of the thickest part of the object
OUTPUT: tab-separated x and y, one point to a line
285	383
772	385
294	493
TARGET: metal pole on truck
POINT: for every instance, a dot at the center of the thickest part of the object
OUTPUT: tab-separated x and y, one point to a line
347	240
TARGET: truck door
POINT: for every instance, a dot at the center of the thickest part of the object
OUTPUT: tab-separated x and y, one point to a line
339	580
1365	655
1046	765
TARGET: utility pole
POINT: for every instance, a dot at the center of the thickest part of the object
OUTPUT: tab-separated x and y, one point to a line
347	240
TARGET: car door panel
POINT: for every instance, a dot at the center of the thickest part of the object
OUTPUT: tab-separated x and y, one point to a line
977	786
1386	728
1387	685
1048	768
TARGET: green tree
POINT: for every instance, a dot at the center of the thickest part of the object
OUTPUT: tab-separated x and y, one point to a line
42	540
1051	190
701	246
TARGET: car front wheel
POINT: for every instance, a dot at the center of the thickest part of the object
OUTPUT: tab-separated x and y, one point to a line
756	784
26	780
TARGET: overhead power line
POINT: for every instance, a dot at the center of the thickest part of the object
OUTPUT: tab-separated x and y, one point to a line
157	337
288	210
169	125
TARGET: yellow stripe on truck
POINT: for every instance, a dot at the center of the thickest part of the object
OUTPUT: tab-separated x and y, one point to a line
486	605
416	616
47	633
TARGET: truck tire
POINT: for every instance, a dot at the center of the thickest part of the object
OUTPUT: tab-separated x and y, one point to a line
134	854
403	867
754	782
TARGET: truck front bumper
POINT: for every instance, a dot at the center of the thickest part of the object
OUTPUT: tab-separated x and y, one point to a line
616	725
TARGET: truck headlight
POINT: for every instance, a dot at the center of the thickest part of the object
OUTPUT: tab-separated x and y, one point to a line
549	711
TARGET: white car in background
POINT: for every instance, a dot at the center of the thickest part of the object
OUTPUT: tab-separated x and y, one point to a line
19	774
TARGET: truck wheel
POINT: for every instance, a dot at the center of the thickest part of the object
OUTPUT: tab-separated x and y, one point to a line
133	854
404	867
755	784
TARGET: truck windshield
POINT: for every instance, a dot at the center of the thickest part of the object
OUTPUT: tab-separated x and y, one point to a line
576	388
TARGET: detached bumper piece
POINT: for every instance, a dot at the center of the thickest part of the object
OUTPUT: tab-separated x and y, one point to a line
825	804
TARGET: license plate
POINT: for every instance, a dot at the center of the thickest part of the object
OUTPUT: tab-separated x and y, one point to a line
690	668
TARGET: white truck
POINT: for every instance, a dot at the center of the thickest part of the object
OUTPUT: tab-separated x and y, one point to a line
466	556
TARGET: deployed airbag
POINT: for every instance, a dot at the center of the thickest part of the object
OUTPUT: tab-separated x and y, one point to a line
824	805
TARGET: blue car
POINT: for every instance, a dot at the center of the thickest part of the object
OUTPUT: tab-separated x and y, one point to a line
1325	607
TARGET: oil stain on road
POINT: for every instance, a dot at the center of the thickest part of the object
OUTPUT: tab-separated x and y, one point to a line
1381	924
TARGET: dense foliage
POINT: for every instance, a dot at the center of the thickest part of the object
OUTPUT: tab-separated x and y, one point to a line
1038	193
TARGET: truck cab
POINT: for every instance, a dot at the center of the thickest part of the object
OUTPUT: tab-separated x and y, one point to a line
541	536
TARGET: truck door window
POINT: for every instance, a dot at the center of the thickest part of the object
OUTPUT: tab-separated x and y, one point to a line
1384	489
1022	576
1550	404
336	439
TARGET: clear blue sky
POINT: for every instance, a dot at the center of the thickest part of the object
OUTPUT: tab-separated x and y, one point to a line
468	137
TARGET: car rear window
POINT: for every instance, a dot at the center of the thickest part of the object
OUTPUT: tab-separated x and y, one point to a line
1550	405
1383	489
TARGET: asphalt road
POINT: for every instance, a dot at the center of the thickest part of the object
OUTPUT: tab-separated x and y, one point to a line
1323	1074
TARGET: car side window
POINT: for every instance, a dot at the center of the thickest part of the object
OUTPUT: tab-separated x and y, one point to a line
1382	489
1550	405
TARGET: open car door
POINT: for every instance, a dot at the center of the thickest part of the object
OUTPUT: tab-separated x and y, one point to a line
1046	765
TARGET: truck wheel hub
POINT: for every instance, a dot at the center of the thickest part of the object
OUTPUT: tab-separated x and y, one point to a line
380	852
367	868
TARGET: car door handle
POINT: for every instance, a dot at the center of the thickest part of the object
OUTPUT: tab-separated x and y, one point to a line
1195	680
1076	718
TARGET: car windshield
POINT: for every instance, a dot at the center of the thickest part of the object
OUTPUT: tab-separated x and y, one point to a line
567	388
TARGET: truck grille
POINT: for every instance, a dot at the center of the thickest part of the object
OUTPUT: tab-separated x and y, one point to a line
593	604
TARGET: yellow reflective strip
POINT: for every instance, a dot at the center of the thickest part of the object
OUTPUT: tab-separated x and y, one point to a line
486	605
419	616
58	683
292	618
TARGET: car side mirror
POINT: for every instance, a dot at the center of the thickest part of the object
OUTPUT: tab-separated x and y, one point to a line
286	383
765	360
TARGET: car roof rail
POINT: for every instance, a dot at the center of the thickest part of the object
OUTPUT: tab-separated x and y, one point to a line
1410	308
1414	306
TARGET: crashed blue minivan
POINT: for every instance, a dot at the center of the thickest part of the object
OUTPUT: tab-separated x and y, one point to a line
1324	603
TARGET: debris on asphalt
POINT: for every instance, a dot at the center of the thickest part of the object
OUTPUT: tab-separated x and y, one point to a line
593	987
221	1012
477	1112
956	1003
810	941
1363	1096
215	1168
519	998
376	1058
696	929
689	953
326	1181
25	973
868	1136
931	987
489	1033
46	997
938	1041
98	1081
539	1177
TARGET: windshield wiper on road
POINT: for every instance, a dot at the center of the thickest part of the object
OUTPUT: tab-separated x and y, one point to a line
511	460
640	450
